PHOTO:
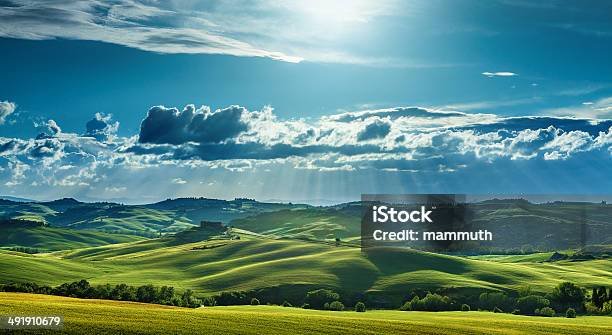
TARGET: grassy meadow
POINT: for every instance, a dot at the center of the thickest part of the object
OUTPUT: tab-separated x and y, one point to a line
103	316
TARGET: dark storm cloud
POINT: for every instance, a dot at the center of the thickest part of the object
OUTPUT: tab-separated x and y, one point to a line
169	126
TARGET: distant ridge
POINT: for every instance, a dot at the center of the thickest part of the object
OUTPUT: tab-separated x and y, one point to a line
15	199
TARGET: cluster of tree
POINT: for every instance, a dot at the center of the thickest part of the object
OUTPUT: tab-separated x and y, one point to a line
26	250
322	299
431	302
566	298
15	222
164	295
601	301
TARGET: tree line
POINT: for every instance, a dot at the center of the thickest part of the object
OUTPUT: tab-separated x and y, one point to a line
565	299
164	295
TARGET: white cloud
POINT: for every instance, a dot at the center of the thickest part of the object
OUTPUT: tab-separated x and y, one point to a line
179	181
6	109
401	139
599	109
499	74
282	30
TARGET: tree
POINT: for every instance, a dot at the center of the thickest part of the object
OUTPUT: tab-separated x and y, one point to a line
209	301
567	295
490	300
147	293
254	302
360	307
317	299
166	293
189	300
124	292
595	298
528	304
465	308
602	295
570	313
431	302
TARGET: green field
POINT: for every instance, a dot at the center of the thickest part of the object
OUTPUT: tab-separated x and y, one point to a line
209	267
106	317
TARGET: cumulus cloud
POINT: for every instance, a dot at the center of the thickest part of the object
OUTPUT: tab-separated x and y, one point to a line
169	126
374	130
403	139
54	129
101	127
6	108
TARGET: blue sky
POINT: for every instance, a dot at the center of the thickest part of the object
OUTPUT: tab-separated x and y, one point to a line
337	98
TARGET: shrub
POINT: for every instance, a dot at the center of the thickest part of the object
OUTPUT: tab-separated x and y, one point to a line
516	311
545	311
318	298
287	304
360	307
591	308
336	306
326	305
254	302
528	304
497	310
570	313
306	306
607	307
465	307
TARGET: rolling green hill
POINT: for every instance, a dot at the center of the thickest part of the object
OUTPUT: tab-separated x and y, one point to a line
106	317
516	224
48	238
322	223
255	263
168	216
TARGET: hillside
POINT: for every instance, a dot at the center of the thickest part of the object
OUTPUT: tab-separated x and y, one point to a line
518	224
49	238
322	223
254	263
168	216
103	317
